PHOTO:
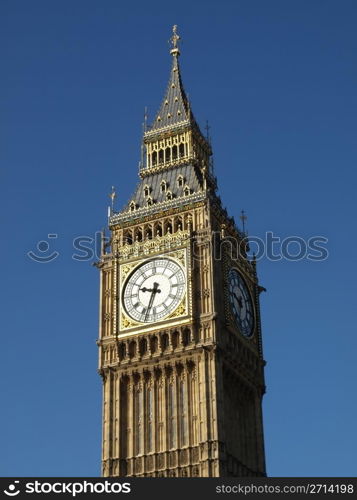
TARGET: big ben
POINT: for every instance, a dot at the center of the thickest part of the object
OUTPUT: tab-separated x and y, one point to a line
180	348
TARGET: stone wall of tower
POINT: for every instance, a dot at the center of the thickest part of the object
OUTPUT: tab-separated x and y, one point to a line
158	420
159	388
239	364
182	400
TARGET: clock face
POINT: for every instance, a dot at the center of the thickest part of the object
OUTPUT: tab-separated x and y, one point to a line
154	290
241	303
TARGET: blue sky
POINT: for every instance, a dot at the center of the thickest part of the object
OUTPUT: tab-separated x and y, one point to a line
277	81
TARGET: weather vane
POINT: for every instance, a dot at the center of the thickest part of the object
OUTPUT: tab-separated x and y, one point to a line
174	40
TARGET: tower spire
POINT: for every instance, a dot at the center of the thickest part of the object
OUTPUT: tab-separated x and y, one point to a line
175	108
175	122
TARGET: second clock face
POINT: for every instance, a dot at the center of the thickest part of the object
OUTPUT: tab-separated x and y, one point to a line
241	303
154	290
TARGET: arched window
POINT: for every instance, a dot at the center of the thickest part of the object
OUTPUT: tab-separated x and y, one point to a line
154	158
169	195
161	156
167	154
146	191
149	201
174	152
132	206
180	180
181	150
163	186
186	191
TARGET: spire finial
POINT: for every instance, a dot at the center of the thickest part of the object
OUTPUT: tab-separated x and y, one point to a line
174	41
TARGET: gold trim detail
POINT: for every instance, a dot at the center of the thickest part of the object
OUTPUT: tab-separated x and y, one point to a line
180	310
126	323
126	269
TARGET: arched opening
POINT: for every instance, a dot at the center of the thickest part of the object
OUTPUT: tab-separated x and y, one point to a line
138	235
154	159
186	336
143	346
161	156
148	233
153	344
178	224
181	150
158	229
174	152
168	227
132	349
175	339
122	351
128	238
167	154
164	342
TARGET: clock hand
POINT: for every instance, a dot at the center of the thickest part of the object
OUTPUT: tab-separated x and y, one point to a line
150	289
153	291
238	299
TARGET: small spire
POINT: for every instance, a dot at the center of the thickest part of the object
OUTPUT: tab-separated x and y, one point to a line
207	128
102	242
145	119
112	195
243	218
174	41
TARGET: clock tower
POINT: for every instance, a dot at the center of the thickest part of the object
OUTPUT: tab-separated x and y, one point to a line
180	351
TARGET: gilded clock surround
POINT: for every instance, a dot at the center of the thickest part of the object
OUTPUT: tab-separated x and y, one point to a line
181	396
182	256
